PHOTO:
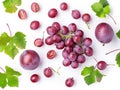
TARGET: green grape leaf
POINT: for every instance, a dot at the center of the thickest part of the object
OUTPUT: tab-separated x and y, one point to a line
101	8
118	59
9	77
91	75
11	5
11	44
118	34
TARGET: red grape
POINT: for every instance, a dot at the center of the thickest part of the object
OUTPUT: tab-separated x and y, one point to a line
87	41
64	30
51	54
88	51
74	64
69	82
38	42
22	14
52	13
101	65
29	59
86	17
66	62
72	27
63	6
35	78
35	7
56	25
49	40
76	14
81	59
34	25
48	72
51	30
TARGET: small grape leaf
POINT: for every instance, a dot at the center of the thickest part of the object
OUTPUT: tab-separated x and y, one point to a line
91	75
118	34
9	77
101	8
11	5
118	59
11	44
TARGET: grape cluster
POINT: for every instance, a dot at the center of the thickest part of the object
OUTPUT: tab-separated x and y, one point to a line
71	40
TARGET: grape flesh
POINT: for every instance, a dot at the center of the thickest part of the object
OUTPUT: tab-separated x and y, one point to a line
29	59
22	14
51	54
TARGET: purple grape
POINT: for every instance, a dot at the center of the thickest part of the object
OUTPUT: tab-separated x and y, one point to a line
60	45
88	51
65	54
87	42
104	33
63	6
69	42
78	49
52	13
86	17
72	27
64	30
74	64
66	62
101	65
79	33
48	72
57	38
76	14
68	49
29	59
49	40
56	25
51	30
81	59
72	56
77	39
69	82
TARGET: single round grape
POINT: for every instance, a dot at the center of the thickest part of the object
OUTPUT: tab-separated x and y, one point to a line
51	30
22	14
64	30
48	72
86	17
63	6
49	40
66	62
69	82
52	13
29	59
78	49
74	64
87	41
88	51
76	14
34	25
72	56
35	78
104	33
38	42
101	65
68	49
56	25
57	38
77	39
69	42
35	7
51	54
60	45
72	27
65	54
79	33
81	59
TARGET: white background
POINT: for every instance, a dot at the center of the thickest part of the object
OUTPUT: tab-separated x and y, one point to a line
112	78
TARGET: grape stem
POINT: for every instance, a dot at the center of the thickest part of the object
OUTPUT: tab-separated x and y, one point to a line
112	51
112	18
9	29
2	69
88	25
55	70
